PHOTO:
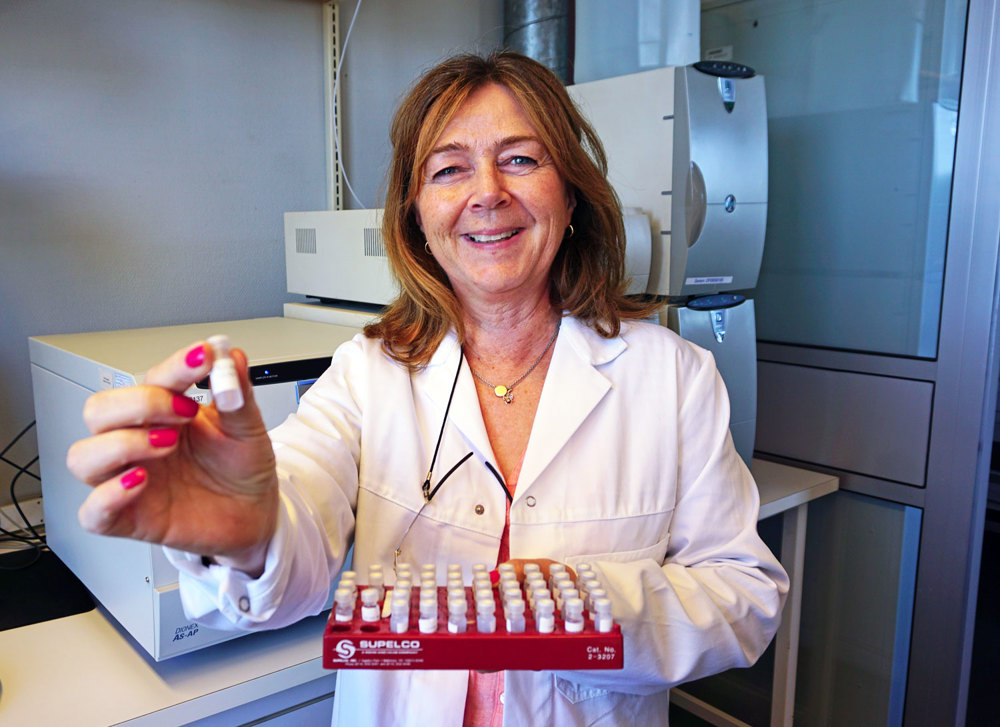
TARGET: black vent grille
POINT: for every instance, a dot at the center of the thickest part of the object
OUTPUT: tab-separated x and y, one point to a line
374	247
305	240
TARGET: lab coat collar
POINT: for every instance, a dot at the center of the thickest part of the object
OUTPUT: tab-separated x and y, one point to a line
573	387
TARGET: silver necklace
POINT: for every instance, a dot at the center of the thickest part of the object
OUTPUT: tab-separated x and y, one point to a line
507	392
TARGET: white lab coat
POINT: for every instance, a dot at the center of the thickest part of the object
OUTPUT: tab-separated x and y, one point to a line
630	467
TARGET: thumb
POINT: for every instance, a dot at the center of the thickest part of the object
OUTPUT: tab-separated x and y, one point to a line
238	412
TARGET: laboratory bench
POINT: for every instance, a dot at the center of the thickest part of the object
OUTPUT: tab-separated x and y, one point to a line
84	670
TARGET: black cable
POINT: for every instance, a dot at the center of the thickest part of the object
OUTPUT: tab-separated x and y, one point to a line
21	470
430	470
17	505
14	440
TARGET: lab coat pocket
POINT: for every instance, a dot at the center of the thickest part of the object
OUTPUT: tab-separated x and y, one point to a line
577	693
656	552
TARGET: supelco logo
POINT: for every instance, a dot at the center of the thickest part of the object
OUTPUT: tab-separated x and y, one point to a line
345	649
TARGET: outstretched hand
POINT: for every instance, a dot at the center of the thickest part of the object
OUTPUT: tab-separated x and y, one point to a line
165	470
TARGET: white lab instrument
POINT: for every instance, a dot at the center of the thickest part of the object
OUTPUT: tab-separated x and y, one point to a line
687	146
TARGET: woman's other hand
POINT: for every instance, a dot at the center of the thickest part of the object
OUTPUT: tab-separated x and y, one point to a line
165	470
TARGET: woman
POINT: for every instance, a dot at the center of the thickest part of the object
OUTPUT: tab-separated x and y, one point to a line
555	425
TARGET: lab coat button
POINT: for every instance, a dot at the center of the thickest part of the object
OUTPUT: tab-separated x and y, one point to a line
529	501
480	509
244	604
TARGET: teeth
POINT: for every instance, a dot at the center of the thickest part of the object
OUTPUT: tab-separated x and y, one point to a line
491	238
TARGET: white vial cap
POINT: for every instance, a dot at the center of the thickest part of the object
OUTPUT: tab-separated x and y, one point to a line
457	605
545	606
349	575
399	606
602	606
573	608
220	345
532	568
507	568
428	606
344	596
515	607
369	597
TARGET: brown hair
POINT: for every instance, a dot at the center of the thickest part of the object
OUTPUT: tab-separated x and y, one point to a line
588	273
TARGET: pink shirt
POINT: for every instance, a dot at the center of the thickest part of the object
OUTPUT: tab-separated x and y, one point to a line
484	700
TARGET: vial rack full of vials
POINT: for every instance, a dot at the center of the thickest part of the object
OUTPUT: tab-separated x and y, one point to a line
529	623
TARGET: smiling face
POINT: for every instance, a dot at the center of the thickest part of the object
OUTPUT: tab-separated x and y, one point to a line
491	204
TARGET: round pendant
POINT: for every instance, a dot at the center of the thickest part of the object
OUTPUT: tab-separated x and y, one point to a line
500	390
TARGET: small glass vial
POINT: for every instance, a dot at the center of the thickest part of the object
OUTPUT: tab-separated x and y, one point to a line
223	380
572	611
428	622
507	568
457	610
343	604
554	570
399	614
486	616
515	616
349	575
564	593
545	619
369	605
591	599
537	593
602	615
376	579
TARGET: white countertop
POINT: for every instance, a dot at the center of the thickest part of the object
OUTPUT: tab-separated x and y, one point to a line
82	670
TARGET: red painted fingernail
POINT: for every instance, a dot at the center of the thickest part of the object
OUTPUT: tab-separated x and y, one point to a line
195	357
184	407
133	477
494	577
163	437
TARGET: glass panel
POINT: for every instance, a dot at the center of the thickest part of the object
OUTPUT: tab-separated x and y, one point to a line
862	107
858	586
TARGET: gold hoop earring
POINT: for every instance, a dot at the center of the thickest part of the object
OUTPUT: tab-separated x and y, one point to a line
569	231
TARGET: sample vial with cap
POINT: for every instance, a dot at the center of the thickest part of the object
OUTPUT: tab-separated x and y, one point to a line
376	579
399	614
572	611
554	570
515	615
545	620
369	605
486	617
343	604
223	380
457	610
428	621
602	615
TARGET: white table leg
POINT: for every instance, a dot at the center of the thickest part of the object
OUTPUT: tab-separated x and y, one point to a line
793	546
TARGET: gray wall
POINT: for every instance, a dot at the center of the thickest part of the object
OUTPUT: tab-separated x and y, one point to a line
393	42
149	148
